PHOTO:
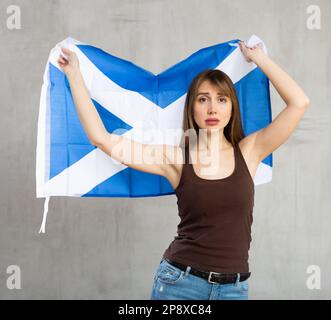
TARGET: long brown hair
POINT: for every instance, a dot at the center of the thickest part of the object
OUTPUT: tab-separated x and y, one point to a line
233	130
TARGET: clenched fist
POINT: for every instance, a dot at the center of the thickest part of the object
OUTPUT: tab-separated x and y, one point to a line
69	65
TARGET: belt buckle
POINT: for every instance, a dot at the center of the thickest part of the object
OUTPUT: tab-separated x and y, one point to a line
209	277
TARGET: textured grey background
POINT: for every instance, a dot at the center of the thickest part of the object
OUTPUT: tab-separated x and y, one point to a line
108	248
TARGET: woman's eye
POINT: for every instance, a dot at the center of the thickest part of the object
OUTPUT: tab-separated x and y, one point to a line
204	99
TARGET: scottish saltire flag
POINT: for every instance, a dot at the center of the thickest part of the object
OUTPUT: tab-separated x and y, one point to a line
130	98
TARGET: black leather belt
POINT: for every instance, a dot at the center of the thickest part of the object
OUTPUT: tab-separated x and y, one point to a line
212	277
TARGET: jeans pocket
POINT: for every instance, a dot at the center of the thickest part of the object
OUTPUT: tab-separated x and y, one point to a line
168	273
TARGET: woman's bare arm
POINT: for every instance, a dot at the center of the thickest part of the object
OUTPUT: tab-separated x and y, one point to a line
157	159
152	158
266	140
87	112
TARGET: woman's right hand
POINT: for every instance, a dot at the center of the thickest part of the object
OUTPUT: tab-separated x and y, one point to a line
69	66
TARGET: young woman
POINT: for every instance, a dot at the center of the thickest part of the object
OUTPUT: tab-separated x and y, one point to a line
209	257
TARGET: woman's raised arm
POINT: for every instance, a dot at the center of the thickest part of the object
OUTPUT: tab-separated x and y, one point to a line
157	159
87	112
266	140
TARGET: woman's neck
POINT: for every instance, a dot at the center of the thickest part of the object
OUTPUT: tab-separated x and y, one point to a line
212	141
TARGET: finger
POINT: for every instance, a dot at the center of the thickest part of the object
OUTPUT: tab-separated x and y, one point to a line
62	60
63	57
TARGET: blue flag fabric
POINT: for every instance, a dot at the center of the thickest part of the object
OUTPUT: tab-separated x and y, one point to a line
130	98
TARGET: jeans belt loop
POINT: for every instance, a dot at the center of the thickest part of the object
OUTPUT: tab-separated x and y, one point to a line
187	271
238	279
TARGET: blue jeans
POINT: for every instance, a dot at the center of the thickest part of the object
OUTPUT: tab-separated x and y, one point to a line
172	283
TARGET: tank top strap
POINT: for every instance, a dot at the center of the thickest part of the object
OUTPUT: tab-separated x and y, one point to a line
235	148
186	160
242	164
236	155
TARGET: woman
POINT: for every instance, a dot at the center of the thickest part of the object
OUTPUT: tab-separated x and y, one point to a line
209	257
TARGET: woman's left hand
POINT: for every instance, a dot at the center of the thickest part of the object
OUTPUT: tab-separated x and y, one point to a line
250	53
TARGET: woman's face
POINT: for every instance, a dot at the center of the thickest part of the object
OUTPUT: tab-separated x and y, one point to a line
210	104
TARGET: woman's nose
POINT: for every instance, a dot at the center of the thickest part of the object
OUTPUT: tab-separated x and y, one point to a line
211	108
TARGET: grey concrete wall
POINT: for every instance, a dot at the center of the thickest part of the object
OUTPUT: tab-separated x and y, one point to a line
108	248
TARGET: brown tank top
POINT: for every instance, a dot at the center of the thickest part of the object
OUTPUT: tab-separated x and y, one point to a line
214	232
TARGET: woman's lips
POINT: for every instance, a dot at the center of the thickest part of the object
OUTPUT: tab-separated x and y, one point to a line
212	122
